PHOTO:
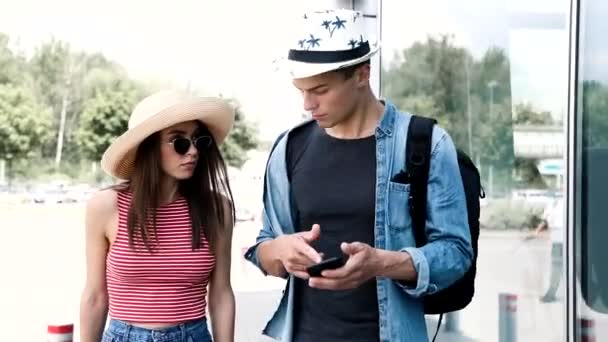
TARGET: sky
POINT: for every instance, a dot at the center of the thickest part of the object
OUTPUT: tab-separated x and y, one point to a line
222	47
228	46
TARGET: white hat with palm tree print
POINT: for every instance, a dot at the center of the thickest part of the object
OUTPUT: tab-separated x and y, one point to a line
329	40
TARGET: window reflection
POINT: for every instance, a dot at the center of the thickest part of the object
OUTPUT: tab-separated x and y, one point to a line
476	66
591	214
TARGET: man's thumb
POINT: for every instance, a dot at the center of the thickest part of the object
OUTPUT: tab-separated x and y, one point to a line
351	248
313	234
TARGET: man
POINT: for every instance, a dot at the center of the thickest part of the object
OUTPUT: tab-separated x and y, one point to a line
329	190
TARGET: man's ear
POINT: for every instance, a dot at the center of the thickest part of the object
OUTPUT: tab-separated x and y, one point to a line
362	74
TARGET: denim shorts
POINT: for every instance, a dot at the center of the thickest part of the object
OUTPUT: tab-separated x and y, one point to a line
194	331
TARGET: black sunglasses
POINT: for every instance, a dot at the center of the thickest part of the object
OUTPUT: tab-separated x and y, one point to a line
181	145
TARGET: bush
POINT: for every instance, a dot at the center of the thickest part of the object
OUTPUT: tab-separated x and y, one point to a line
503	214
44	171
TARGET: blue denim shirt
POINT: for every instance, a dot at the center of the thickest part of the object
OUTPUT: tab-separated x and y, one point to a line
443	260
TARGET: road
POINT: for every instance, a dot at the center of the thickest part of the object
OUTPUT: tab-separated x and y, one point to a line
43	271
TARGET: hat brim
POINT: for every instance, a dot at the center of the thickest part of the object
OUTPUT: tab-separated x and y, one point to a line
216	114
303	70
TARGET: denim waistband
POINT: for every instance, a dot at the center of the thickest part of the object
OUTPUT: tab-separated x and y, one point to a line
127	330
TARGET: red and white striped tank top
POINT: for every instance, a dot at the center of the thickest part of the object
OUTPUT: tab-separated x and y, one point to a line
168	285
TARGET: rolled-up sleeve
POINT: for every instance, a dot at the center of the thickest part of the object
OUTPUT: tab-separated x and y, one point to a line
276	215
266	233
448	253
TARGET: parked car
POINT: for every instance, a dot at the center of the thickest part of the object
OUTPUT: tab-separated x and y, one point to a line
48	196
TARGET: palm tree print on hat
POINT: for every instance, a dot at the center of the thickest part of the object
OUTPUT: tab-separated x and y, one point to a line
336	25
353	43
301	43
339	23
312	42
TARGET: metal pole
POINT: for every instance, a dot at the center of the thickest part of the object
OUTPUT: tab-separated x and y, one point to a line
452	321
492	84
491	103
2	171
469	122
491	180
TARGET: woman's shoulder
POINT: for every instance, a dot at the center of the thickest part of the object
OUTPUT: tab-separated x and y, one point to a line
103	202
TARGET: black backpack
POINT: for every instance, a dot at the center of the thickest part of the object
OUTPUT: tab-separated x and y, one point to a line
418	155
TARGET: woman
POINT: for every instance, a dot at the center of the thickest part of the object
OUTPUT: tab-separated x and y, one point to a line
158	241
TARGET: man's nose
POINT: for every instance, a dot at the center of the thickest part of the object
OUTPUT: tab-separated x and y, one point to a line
310	102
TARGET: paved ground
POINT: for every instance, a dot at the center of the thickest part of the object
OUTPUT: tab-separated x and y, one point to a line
42	265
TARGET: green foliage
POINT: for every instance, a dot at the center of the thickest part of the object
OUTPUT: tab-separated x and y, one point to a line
469	98
24	123
528	174
95	96
12	66
595	109
508	214
526	115
50	69
242	138
104	118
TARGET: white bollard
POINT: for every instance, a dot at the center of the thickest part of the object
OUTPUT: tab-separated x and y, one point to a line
507	317
60	333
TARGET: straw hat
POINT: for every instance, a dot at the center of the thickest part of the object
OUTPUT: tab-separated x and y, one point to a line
328	40
159	111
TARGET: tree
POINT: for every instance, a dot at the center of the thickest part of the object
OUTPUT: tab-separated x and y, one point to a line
58	76
241	139
11	65
429	76
527	171
24	124
595	111
83	101
52	69
491	77
526	115
105	117
470	99
529	176
493	124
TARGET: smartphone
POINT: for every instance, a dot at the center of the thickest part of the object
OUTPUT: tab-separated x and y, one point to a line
327	264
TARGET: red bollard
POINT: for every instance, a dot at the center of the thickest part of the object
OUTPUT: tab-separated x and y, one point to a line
60	333
586	330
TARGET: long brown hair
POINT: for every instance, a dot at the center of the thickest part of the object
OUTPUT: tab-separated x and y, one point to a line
208	193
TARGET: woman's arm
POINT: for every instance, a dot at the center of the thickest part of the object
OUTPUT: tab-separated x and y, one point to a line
94	301
221	296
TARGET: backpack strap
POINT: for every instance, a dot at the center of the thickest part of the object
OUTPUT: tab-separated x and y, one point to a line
418	163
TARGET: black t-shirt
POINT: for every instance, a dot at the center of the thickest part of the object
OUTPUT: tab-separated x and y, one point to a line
334	184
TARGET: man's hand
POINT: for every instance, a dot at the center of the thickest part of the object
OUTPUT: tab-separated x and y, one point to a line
295	253
362	265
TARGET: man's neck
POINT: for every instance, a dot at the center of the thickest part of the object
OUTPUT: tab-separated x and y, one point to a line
362	123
